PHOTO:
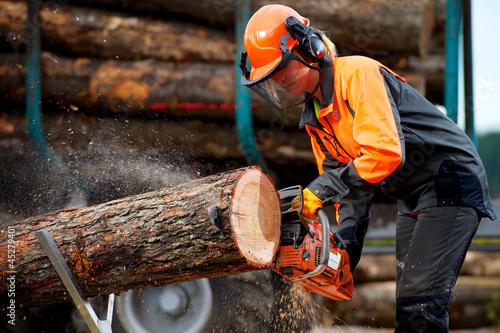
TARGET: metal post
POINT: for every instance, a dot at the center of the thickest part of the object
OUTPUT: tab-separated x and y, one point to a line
244	122
452	33
72	185
468	72
33	77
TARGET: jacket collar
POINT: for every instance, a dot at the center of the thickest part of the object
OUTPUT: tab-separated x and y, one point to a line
326	86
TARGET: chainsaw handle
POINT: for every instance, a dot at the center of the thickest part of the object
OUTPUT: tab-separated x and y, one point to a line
325	247
325	235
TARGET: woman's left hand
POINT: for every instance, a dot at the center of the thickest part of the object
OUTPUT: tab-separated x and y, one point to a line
311	205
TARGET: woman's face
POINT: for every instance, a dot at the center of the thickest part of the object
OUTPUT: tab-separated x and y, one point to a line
296	78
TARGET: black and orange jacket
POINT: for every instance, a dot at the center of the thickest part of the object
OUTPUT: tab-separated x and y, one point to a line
373	129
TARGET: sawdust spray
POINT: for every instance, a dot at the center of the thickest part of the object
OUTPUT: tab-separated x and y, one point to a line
296	310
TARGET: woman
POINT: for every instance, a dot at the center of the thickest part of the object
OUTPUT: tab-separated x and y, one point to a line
369	128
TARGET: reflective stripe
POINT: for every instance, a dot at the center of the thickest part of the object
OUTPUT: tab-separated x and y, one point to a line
317	108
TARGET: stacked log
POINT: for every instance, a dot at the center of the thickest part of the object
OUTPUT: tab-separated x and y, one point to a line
376	25
104	34
117	86
381	25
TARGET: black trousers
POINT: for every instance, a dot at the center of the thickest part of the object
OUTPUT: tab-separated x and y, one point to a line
430	250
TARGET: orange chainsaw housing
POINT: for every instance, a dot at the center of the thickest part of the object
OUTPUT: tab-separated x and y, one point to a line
293	261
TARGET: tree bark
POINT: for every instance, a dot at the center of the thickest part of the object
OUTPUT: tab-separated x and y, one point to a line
400	26
104	34
148	87
404	26
112	86
152	239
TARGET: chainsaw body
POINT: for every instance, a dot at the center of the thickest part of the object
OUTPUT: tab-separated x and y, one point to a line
309	253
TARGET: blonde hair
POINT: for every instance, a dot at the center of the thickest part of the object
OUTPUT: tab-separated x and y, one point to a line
331	50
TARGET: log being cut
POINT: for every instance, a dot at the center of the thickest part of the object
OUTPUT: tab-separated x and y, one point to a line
151	239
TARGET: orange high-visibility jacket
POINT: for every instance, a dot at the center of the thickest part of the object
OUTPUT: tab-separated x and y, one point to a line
373	129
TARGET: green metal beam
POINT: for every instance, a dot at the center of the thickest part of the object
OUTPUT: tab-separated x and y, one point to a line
244	121
468	72
452	52
73	186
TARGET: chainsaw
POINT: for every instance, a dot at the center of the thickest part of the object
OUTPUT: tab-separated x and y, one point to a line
309	253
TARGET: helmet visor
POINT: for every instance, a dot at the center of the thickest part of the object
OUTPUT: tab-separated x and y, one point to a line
270	90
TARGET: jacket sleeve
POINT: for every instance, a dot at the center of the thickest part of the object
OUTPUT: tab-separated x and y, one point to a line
376	128
354	216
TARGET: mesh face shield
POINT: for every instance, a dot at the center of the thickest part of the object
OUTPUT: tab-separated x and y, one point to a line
265	85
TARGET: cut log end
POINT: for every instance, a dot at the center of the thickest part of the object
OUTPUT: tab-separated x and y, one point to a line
256	217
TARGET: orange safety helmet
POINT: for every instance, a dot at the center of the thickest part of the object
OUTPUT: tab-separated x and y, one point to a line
271	35
262	38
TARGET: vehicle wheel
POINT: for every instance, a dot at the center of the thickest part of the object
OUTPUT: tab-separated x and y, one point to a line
176	308
259	301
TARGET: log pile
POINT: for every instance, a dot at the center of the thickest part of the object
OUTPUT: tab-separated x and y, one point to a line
143	58
153	239
167	60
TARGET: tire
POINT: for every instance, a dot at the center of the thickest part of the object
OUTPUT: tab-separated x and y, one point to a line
176	308
259	301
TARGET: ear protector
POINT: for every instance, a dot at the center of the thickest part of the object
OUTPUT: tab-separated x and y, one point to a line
311	46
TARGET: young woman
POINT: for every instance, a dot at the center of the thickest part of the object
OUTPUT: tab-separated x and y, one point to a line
369	128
